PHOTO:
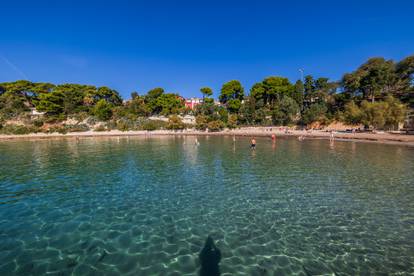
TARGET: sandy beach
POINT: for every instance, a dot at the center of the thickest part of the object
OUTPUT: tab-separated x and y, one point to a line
385	138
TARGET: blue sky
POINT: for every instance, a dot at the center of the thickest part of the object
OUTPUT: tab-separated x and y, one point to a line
184	45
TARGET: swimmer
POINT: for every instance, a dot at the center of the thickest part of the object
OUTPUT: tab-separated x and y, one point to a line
253	143
273	137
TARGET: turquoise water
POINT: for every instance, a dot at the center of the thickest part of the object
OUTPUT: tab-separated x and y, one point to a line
144	206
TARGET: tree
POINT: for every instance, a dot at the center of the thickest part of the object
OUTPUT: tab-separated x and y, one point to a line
378	77
206	91
151	99
232	90
134	95
137	106
233	105
396	112
103	110
353	114
309	89
272	89
168	103
298	95
285	111
51	103
315	112
405	80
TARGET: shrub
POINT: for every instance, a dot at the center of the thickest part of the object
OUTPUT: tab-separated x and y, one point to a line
175	123
54	118
111	125
215	126
91	120
232	121
38	123
149	125
352	114
18	129
58	129
201	122
125	125
103	110
80	116
77	128
100	128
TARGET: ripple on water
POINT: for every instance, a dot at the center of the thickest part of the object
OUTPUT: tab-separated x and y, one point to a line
145	206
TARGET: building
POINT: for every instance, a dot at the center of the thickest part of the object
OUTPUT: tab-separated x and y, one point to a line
193	102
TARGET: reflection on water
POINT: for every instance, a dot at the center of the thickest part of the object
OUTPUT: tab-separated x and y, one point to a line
145	205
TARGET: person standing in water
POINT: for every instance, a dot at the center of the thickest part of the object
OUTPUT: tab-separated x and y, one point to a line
253	143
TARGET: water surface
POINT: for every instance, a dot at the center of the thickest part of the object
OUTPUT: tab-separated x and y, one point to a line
144	206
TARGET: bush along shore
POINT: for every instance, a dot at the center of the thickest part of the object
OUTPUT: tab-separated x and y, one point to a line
378	95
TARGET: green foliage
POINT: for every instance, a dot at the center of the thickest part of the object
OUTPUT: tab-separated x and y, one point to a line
153	125
206	91
285	111
232	90
169	104
103	110
223	114
232	121
18	129
272	89
76	128
314	113
158	102
51	103
373	79
137	106
207	108
376	94
201	122
233	105
353	114
125	125
216	125
298	93
58	129
38	123
175	123
383	115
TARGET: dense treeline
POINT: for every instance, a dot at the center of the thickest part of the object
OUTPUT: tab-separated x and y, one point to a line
376	95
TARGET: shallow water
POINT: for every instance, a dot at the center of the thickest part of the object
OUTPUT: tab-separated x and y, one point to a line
144	206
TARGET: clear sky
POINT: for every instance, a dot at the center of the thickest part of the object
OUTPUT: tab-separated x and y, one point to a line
184	45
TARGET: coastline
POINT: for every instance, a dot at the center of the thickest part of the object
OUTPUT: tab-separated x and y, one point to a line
383	138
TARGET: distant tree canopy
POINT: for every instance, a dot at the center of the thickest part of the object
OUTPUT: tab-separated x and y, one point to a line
377	94
206	91
232	94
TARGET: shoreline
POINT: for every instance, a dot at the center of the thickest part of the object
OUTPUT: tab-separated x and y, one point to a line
382	138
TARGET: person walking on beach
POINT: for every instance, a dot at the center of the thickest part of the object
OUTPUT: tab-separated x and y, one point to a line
253	143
